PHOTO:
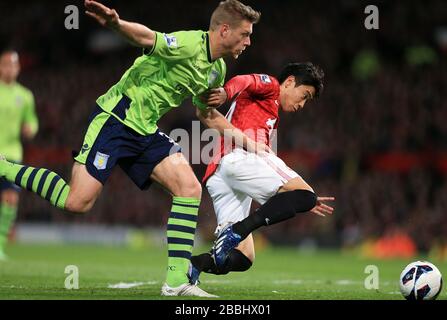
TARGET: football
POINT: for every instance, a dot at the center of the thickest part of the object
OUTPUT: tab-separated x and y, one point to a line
420	280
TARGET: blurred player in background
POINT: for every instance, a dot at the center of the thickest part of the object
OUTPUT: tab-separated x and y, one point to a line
123	127
234	178
17	120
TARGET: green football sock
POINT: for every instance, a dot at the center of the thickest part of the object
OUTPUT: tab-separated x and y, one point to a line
7	217
181	230
43	182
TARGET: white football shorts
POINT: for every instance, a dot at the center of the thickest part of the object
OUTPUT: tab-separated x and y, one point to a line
242	177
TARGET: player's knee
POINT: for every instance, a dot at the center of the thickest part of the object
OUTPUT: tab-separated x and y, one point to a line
197	190
298	200
305	200
190	189
295	184
78	205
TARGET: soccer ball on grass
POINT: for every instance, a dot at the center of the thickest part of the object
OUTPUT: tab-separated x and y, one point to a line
420	280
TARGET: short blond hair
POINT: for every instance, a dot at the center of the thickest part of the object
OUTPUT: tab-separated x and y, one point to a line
233	12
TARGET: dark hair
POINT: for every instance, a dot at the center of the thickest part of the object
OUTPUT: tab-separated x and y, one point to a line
305	73
233	12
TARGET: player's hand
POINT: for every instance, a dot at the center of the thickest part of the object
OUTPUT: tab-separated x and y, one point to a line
214	98
322	209
27	132
105	16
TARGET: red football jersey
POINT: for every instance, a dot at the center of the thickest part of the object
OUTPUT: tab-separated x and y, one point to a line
254	111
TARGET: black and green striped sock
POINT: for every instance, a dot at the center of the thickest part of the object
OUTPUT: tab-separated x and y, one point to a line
43	182
181	230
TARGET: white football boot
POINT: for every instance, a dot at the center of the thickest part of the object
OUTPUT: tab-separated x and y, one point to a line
185	289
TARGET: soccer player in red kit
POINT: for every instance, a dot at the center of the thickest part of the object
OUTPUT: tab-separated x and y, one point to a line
235	177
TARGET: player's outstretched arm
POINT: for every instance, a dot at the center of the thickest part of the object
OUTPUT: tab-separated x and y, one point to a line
137	34
215	120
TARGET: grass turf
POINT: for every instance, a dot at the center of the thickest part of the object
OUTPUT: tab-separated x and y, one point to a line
38	272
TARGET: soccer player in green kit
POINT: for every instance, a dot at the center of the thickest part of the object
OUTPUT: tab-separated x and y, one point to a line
17	120
123	128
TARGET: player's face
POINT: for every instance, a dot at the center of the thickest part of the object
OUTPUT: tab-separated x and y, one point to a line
237	38
9	66
293	98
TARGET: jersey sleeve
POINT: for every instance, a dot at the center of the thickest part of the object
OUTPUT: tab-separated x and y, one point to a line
259	85
175	46
238	84
29	114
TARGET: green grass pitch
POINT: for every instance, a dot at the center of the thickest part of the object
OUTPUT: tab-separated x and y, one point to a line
38	272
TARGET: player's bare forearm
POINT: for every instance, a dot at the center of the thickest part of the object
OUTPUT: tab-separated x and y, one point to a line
135	33
215	120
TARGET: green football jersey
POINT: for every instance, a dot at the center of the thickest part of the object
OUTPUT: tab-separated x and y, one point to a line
16	109
177	67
